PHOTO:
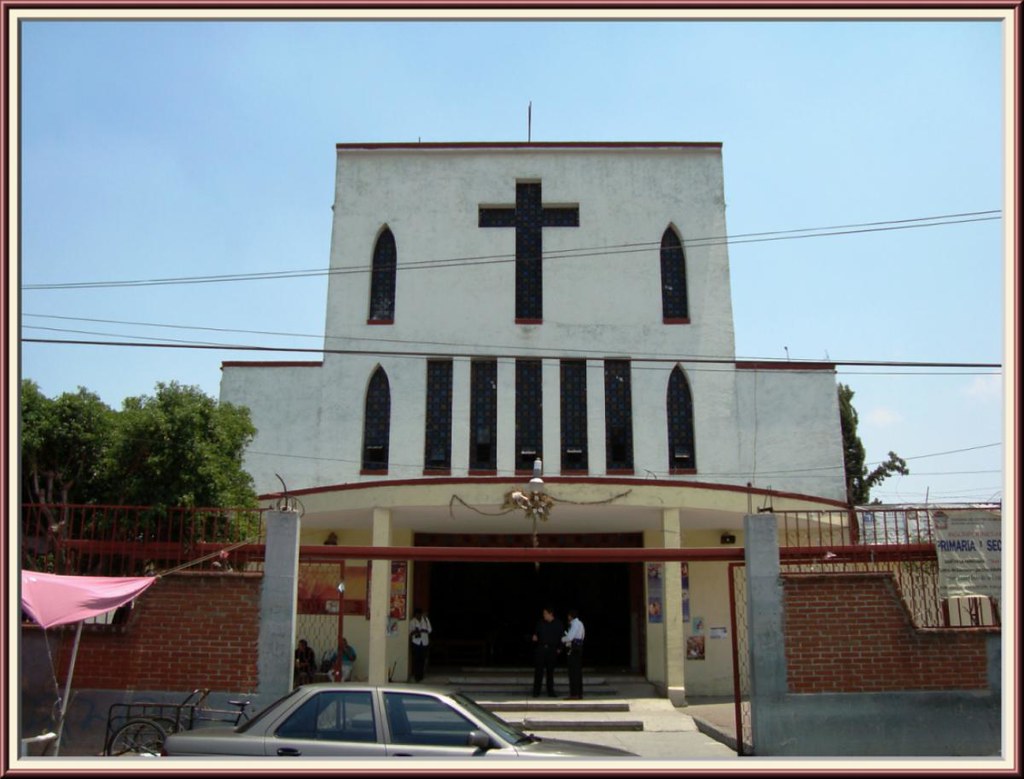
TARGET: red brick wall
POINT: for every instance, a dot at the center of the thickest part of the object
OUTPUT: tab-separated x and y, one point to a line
187	630
852	633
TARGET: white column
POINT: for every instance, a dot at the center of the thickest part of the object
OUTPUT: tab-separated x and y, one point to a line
596	462
672	611
279	592
460	415
551	402
506	454
380	599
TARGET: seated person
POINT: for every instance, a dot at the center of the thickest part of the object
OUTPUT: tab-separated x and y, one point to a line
341	670
305	663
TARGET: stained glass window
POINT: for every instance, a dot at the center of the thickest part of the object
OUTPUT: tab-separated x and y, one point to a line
673	278
483	416
438	448
682	455
382	283
618	415
529	414
574	415
377	422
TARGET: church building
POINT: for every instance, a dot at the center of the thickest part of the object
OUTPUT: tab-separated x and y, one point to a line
496	309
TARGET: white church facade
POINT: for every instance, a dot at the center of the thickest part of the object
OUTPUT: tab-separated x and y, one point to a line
491	305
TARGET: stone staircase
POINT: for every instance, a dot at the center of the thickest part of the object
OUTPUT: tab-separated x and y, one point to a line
612	700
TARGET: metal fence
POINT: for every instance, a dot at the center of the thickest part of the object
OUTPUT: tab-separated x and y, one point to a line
897	540
91	540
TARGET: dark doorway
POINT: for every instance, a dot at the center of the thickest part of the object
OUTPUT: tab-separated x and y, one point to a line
499	604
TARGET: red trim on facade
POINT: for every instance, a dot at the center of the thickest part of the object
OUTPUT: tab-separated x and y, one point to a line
380	321
621	471
491	479
784	365
437	471
243	364
473	472
533	145
571	472
682	471
682	320
521	321
365	472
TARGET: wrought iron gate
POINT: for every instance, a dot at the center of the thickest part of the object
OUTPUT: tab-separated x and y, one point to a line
740	657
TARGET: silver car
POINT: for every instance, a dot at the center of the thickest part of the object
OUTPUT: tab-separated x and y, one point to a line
363	721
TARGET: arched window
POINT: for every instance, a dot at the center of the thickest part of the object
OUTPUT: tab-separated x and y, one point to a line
382	282
674	308
682	453
377	423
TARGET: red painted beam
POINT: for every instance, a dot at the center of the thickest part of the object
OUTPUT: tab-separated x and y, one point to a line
512	554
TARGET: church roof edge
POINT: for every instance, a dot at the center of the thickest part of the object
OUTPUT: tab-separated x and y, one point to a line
481	145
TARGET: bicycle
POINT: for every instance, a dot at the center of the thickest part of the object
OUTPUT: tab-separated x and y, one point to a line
141	728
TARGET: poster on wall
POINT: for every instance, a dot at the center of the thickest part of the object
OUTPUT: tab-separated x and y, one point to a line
685	575
968	545
695	648
719	633
655	591
398	589
318	588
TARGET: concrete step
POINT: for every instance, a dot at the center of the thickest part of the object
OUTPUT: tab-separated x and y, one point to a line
553	705
530	724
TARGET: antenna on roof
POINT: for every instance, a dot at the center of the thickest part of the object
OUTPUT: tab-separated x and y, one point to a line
529	121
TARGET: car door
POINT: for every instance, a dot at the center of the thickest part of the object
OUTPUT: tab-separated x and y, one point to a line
330	723
421	725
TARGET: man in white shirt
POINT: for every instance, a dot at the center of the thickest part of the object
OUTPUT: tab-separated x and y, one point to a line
419	636
573	640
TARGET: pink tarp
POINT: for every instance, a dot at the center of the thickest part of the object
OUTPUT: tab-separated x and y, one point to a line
59	600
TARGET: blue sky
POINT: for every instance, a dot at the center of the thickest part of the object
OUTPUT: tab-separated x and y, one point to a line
156	149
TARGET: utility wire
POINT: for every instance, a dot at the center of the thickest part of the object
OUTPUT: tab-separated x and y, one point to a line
578	253
781	362
539	350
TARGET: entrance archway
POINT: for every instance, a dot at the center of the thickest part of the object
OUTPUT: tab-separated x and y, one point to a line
484	613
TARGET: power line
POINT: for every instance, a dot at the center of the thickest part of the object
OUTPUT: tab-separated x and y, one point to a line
578	253
782	363
540	351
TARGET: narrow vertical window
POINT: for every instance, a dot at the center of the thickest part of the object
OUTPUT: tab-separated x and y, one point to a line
437	456
377	423
682	455
529	414
618	416
483	416
674	307
382	282
574	415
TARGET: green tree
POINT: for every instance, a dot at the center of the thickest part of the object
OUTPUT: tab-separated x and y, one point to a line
180	447
858	481
64	443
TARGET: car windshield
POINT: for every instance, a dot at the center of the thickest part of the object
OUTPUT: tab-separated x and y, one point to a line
507	731
262	715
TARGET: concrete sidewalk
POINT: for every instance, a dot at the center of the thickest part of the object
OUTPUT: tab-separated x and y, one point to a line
650	727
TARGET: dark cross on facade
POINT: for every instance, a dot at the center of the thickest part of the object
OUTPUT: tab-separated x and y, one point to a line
529	217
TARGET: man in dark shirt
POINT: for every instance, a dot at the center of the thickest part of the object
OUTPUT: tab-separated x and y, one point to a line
547	637
305	663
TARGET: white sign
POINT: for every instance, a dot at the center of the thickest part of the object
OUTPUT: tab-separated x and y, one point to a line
969	548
